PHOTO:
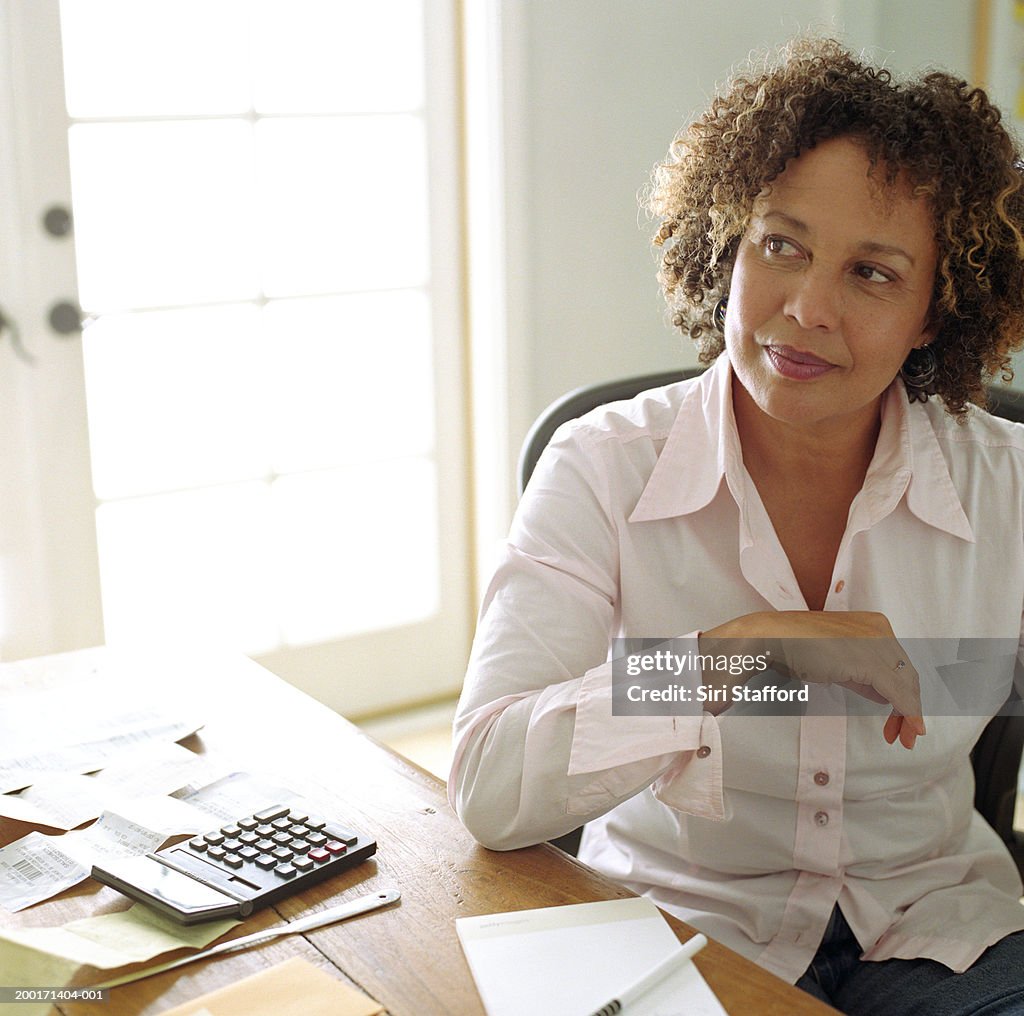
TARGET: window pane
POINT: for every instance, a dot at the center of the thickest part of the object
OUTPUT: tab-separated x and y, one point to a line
358	549
352	377
337	56
176	399
189	567
343	203
163	213
155	57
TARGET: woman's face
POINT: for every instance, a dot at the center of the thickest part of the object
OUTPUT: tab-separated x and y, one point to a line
831	289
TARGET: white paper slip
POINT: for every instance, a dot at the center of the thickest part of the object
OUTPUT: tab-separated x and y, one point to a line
118	735
37	867
571	960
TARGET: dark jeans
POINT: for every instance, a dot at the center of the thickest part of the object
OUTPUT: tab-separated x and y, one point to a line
994	986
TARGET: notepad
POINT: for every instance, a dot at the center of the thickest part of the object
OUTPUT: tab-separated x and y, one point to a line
569	961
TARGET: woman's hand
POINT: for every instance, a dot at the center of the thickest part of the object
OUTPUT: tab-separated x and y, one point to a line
854	649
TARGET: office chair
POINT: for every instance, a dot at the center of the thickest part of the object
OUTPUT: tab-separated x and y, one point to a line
997	755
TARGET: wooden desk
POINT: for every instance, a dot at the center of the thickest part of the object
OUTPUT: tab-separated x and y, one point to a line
407	957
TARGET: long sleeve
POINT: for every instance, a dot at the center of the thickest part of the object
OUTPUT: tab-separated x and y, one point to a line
537	748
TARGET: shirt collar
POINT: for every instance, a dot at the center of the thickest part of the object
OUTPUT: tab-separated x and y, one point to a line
908	441
703	448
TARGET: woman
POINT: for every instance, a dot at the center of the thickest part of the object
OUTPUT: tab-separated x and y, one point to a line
842	247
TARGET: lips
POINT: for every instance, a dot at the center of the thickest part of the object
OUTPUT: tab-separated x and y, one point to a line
797	363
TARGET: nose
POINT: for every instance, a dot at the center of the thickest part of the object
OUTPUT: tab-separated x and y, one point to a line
814	300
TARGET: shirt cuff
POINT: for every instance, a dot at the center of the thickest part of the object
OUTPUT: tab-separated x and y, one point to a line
603	741
694	782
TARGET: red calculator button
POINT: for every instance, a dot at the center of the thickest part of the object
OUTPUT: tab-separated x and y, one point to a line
335	847
318	854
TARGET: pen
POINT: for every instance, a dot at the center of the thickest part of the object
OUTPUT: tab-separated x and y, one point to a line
667	966
315	920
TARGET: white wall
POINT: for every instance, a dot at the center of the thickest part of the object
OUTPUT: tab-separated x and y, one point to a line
592	92
606	85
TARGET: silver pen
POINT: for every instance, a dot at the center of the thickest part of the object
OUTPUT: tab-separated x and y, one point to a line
318	920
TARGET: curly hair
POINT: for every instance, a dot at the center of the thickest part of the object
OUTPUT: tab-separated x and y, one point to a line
943	137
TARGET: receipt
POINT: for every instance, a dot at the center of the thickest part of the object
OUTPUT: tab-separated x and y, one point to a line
237	794
119	735
37	867
33	869
66	800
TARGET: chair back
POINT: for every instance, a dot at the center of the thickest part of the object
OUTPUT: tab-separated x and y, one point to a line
580	401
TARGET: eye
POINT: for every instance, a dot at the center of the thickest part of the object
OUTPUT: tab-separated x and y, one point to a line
873	274
775	246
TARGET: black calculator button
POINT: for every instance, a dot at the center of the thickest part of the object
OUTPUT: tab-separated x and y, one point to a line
303	864
281	823
281	839
233	861
316	839
198	843
297	830
248	837
232	845
214	838
297	845
231	831
248	853
283	854
265	830
217	853
269	814
298	816
315	822
285	871
247	823
341	833
266	861
265	845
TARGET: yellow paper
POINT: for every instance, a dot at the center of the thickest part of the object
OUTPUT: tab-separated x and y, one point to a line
292	988
113	940
21	967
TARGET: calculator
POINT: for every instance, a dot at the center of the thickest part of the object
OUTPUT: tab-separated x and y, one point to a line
241	866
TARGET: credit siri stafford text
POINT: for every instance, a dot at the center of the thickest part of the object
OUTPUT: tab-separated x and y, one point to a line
703	683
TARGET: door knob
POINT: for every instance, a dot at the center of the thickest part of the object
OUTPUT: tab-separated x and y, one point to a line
57	221
66	318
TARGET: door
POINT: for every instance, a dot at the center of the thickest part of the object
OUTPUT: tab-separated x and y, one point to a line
257	438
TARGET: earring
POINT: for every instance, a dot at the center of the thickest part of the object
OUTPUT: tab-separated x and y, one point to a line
919	371
718	314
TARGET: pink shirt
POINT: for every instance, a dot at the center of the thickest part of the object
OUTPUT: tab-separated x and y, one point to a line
642	521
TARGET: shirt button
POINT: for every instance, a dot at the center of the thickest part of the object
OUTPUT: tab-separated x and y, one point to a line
821	779
703	751
840	586
821	818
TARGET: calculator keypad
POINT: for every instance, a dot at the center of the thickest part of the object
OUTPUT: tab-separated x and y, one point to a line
275	839
270	854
